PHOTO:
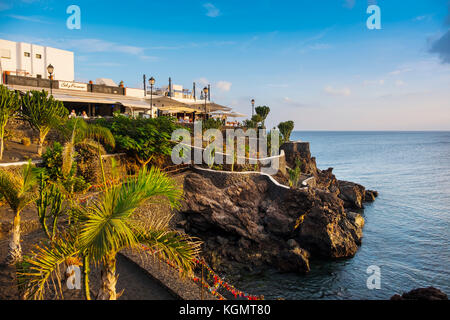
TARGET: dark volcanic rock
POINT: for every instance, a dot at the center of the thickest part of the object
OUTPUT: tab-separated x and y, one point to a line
429	293
352	194
370	195
250	220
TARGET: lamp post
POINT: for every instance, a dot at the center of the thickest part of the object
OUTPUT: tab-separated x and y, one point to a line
151	81
205	94
253	107
50	70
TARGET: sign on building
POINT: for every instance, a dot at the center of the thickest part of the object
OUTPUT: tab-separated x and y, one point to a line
68	85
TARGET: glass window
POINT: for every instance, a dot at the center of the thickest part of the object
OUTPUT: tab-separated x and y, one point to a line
38	56
26	54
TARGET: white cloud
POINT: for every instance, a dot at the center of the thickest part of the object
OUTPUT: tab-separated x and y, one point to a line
223	85
27	18
296	104
202	81
374	82
278	85
399	83
424	17
344	92
98	45
399	71
211	10
315	46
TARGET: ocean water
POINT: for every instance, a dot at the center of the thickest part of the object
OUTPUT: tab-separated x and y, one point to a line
407	228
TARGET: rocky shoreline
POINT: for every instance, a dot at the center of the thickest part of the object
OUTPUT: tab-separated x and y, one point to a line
247	221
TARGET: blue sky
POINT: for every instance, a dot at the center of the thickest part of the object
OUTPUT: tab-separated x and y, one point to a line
314	62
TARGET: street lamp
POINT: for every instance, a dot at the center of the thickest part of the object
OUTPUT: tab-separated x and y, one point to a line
205	94
50	70
253	107
151	81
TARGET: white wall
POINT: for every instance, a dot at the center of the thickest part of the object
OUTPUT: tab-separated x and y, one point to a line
8	48
62	60
38	65
132	92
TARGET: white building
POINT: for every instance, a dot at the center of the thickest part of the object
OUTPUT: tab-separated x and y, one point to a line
23	67
25	59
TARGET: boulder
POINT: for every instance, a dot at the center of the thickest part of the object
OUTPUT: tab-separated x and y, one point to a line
294	260
352	194
370	195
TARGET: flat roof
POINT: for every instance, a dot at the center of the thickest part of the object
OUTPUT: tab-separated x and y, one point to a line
169	104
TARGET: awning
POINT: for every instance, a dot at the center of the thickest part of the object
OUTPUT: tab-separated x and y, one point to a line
140	104
214	107
229	114
77	98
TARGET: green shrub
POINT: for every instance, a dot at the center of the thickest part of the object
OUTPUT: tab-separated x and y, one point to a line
53	162
286	129
211	123
143	139
295	175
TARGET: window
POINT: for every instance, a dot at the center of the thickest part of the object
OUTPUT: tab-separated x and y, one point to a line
26	54
5	53
39	76
38	56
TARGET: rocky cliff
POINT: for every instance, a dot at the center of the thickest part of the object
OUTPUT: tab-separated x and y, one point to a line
249	221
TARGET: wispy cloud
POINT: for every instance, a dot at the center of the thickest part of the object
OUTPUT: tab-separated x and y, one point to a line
28	18
202	81
90	45
98	45
193	45
223	85
293	103
399	71
422	18
315	47
373	82
278	85
343	92
211	10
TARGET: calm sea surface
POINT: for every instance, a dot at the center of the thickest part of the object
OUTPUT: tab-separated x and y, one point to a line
407	227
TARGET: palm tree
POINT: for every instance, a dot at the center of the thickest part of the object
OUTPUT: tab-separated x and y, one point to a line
106	226
18	190
88	136
9	104
43	113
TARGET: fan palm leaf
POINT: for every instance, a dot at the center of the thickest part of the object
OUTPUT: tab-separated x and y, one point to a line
18	190
37	271
173	246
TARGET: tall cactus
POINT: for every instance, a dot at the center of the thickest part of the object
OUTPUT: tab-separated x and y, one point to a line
43	113
9	105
